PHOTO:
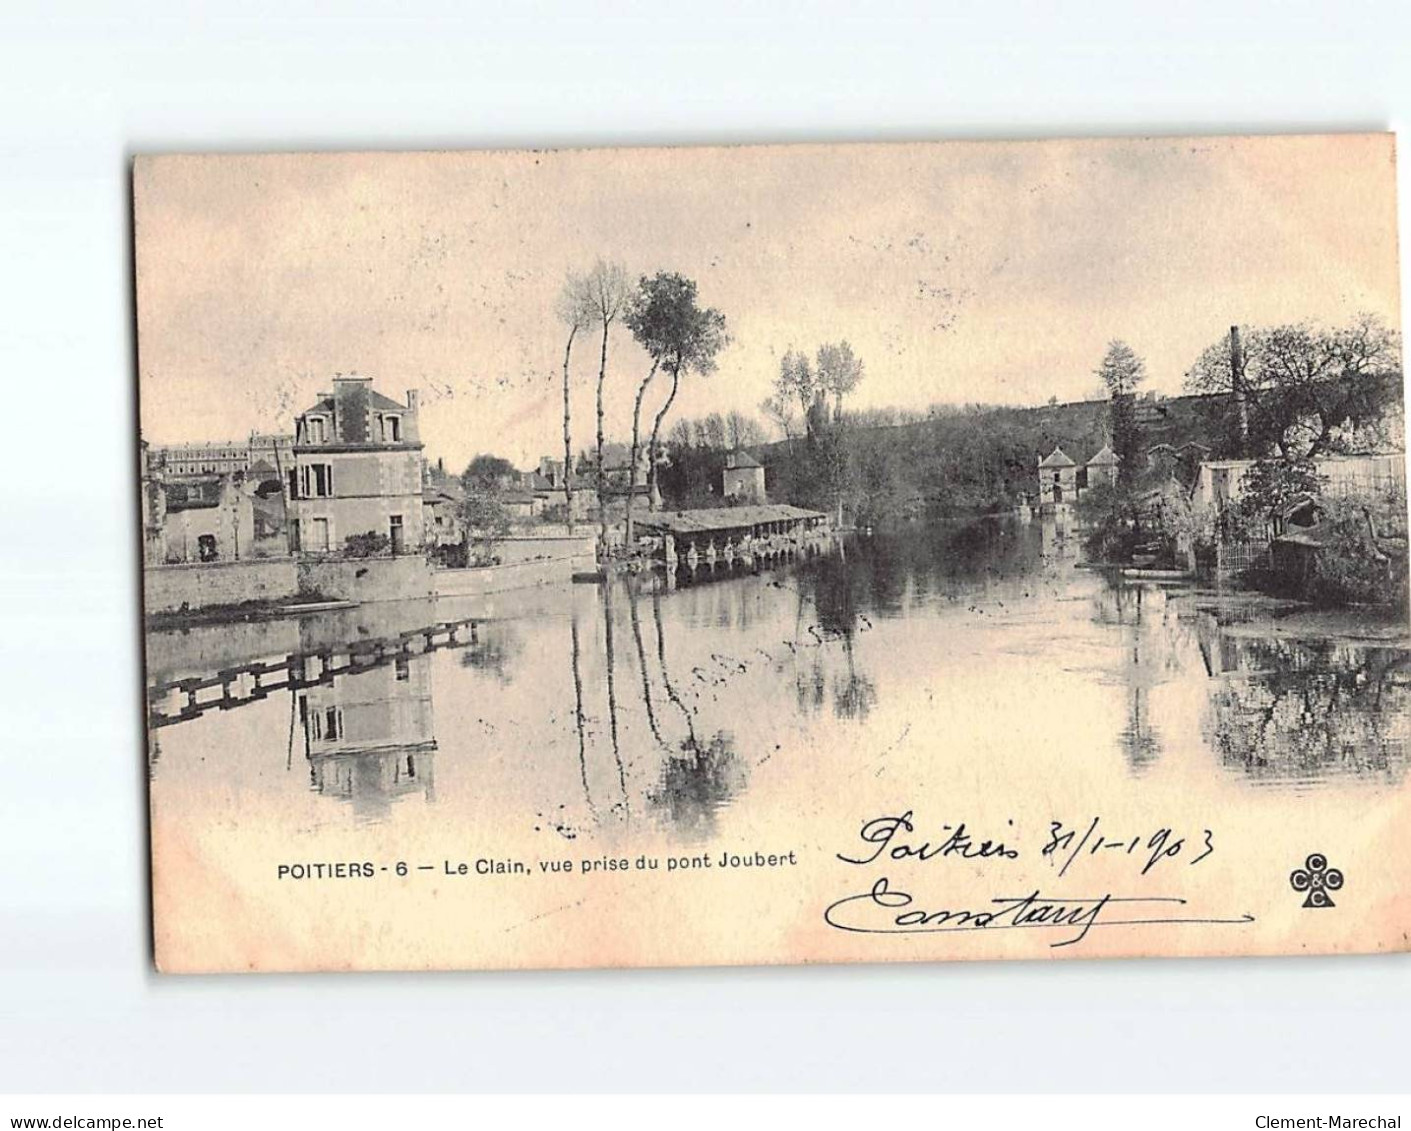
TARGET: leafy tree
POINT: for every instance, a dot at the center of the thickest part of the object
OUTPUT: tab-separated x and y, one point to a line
484	518
487	472
680	337
1270	485
1120	372
1306	388
838	372
796	381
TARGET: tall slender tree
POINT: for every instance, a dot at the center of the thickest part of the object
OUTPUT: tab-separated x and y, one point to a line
681	338
1121	371
575	311
609	294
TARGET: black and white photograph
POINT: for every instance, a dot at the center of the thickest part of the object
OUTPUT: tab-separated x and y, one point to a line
773	554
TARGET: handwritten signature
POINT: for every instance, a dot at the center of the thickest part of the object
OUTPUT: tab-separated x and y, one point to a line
885	910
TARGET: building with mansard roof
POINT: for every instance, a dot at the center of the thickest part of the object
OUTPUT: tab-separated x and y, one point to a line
357	470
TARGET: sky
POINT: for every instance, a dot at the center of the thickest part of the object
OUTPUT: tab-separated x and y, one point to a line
959	271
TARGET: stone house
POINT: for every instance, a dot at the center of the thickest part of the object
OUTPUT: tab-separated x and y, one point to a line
208	519
357	470
743	478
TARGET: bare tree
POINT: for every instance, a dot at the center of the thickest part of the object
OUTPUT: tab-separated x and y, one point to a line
779	410
742	431
609	292
575	310
715	435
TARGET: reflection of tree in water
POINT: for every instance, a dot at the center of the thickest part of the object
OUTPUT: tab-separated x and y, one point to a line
1304	709
1140	742
855	695
810	688
1143	665
840	589
498	648
696	783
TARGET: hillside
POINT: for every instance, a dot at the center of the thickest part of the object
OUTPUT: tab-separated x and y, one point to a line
979	458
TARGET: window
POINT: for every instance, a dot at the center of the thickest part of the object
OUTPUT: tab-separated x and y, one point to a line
318	535
391	429
325	725
206	547
316	429
316	481
294	534
394	523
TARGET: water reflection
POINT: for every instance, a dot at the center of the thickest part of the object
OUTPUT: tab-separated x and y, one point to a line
1304	711
638	702
368	735
697	782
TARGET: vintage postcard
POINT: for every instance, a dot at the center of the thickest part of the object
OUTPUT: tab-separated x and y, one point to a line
856	553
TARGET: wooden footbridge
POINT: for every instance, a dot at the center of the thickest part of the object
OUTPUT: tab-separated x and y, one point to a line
178	700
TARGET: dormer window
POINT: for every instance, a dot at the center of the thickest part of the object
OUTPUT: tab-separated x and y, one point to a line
315	429
391	429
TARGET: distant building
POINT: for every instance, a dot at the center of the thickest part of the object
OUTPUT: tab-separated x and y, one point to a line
521	504
222	457
1102	468
1219	484
207	519
743	478
357	470
548	486
441	513
1058	478
1062	480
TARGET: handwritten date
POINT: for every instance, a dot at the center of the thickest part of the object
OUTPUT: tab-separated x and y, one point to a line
1067	844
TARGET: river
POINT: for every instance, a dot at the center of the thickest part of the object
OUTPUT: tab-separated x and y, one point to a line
634	706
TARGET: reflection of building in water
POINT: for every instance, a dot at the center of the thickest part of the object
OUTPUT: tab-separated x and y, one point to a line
368	735
1057	538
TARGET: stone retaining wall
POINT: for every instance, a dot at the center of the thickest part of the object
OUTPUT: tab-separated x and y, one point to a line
169	588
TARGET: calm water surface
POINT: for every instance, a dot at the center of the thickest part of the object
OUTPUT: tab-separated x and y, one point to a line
584	708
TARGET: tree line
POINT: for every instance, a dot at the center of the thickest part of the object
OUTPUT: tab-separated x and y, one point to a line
1282	393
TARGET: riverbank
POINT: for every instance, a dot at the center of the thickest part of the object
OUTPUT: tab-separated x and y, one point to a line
265	588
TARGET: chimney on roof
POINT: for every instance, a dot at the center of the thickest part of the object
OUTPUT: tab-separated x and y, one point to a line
412	399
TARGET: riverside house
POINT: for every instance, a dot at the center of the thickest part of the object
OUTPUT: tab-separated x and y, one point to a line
357	470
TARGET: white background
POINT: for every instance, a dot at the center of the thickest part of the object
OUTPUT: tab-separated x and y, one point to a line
82	88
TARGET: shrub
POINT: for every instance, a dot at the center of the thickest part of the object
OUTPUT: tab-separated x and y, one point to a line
368	545
1349	567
